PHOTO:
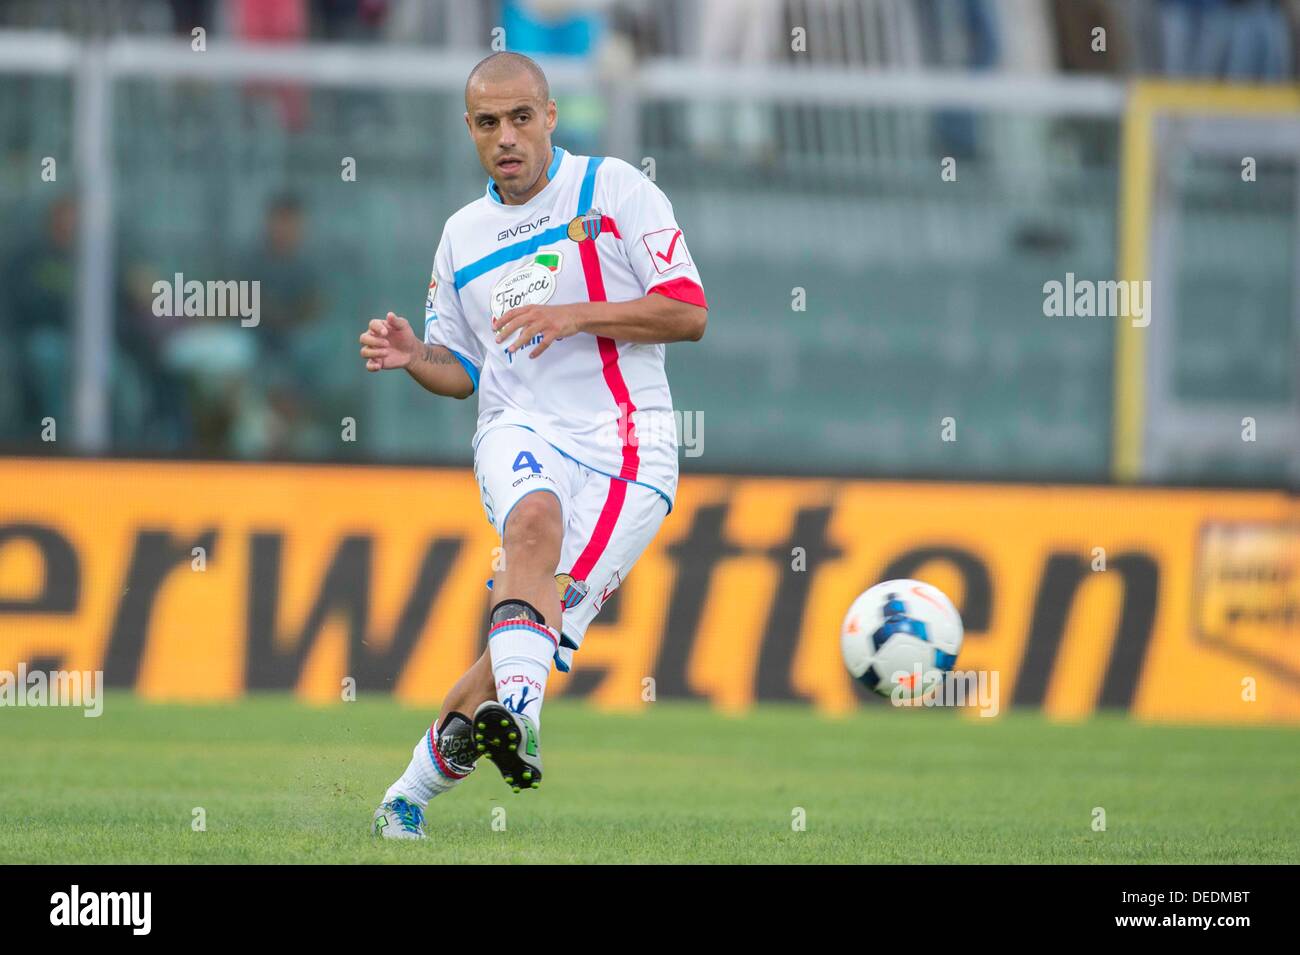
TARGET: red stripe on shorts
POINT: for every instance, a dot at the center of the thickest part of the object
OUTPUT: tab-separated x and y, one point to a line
604	529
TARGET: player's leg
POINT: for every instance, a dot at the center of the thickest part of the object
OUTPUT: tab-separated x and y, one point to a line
522	639
526	616
533	479
524	484
525	586
443	757
503	690
474	686
612	523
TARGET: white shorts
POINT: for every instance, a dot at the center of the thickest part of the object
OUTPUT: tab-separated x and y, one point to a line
608	522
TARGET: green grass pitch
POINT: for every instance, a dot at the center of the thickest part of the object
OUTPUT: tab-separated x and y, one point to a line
284	782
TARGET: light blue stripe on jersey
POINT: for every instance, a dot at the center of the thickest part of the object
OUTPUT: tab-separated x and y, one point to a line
470	368
588	190
511	252
500	257
504	256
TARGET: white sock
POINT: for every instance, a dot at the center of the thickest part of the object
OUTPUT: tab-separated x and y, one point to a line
426	776
522	651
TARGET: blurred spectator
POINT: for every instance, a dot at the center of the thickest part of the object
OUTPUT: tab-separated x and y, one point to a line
38	297
973	42
349	20
271	20
463	24
1235	39
960	33
730	33
149	396
1027	45
188	14
554	27
38	291
87	17
1076	21
276	21
573	29
290	308
247	387
641	24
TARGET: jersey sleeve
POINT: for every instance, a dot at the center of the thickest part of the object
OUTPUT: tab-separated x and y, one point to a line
655	245
444	318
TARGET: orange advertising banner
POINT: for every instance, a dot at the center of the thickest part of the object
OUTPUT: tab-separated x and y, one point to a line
204	581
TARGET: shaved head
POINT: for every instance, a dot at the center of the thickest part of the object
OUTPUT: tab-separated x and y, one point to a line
504	68
510	115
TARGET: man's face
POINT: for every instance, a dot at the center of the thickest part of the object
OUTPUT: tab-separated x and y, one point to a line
511	126
284	230
63	224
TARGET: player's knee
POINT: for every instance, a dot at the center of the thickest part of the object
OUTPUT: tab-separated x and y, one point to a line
534	523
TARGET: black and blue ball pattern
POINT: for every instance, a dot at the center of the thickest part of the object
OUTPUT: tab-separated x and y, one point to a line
897	621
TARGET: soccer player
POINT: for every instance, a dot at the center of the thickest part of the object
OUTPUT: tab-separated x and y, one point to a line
553	295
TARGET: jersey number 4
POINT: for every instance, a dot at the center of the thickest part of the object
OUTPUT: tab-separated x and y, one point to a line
526	460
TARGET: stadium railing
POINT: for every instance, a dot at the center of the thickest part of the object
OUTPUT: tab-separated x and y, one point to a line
923	294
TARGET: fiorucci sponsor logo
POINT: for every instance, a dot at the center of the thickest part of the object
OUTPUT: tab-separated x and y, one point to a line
74	907
84	688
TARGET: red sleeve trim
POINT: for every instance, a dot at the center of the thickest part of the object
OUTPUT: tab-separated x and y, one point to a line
683	290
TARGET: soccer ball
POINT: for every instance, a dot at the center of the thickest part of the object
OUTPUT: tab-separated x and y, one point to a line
900	637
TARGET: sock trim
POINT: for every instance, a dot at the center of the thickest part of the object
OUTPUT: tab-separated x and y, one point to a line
522	623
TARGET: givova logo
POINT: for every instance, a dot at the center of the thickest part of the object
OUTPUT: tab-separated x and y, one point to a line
103	908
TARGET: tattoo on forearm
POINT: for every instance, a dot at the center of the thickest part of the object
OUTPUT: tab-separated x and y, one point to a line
437	355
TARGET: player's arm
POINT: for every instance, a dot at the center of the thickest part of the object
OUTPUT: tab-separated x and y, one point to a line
654	319
390	343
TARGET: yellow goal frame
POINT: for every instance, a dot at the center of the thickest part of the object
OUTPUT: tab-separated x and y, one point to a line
1147	100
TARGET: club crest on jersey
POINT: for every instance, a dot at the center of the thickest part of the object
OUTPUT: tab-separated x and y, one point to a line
531	284
572	591
585	227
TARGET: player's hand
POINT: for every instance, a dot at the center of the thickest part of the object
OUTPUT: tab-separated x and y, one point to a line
388	343
552	322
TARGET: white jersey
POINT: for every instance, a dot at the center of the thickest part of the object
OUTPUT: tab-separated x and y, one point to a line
598	231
